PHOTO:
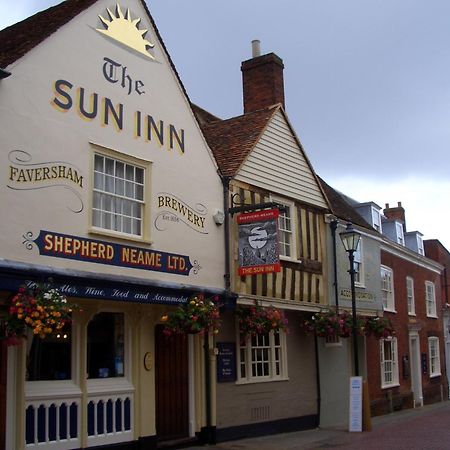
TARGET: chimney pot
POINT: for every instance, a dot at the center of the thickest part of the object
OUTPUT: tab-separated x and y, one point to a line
256	48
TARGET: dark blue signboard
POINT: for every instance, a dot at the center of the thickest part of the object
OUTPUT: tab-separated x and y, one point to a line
226	362
91	250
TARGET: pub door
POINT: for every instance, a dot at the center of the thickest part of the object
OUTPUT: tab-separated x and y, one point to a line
172	385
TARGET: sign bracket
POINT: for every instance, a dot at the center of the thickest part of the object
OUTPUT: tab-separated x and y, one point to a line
247	207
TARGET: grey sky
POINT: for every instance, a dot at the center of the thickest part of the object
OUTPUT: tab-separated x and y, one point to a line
367	85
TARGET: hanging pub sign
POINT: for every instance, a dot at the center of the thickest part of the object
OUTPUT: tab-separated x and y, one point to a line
258	242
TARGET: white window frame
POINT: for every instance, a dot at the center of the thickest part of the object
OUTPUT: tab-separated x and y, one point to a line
145	165
376	219
389	366
420	248
249	351
430	299
387	290
359	263
434	356
292	232
410	300
399	233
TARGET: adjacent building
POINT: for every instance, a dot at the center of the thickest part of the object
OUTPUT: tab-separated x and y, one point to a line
274	384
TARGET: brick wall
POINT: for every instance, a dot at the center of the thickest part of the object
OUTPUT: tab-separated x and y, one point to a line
263	83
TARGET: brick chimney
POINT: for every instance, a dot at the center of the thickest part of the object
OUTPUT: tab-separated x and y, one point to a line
262	78
396	213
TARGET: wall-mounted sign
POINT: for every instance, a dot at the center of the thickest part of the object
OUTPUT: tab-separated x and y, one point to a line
90	106
24	174
346	294
101	252
101	290
355	410
258	242
174	210
226	362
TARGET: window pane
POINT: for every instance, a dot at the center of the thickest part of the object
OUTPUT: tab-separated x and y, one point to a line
139	175
109	166
50	358
129	172
98	163
105	345
119	169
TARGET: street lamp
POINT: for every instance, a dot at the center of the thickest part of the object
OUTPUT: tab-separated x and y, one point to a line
350	238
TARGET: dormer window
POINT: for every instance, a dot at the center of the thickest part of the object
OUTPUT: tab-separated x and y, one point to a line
420	249
376	219
400	236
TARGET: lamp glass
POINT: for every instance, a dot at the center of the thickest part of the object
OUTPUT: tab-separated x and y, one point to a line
350	238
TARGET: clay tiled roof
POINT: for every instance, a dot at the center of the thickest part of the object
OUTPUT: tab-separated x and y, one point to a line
233	139
20	38
341	208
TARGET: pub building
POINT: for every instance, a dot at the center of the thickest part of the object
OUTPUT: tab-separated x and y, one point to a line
111	196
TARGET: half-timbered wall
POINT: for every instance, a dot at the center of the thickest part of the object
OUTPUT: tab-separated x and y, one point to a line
300	282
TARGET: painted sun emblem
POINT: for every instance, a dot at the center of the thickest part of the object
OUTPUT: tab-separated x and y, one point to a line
126	31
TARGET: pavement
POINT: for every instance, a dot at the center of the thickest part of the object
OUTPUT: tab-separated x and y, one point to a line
425	428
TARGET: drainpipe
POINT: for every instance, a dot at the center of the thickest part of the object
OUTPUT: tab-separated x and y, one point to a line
210	430
319	399
333	227
226	206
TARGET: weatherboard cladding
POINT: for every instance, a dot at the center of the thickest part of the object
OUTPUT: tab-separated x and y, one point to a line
278	164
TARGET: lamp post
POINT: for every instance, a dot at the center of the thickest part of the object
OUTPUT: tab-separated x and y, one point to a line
350	239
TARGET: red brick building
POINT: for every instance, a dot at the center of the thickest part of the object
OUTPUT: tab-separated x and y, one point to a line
436	251
408	369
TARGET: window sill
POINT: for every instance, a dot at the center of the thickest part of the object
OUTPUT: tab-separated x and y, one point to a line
388	386
266	380
432	316
106	385
290	259
435	375
51	388
390	310
118	235
412	314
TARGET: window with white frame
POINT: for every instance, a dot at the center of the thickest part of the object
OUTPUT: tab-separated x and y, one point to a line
410	296
263	357
400	235
389	362
430	297
286	229
118	195
420	245
358	264
433	355
387	289
376	219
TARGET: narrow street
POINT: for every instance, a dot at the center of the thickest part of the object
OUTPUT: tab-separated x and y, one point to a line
427	428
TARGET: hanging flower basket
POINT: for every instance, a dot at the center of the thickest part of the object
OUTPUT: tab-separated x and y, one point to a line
256	319
41	309
198	315
380	327
328	324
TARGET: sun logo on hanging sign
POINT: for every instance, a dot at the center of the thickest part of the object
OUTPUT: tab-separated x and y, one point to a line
126	31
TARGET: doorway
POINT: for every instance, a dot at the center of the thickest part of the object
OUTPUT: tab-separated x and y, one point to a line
416	369
172	385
